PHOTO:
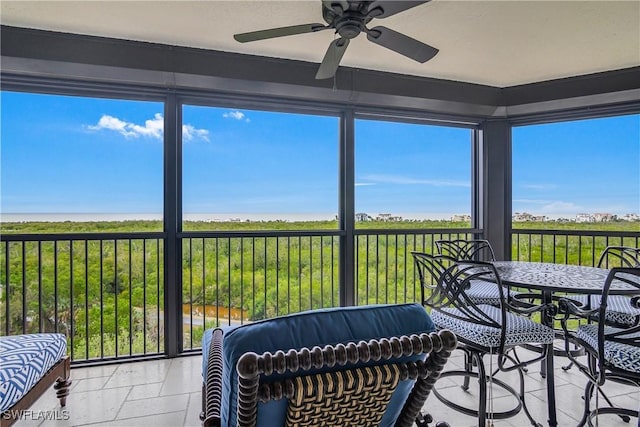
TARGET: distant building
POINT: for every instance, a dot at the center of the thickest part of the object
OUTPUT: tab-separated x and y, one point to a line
604	217
631	217
522	216
584	217
527	217
461	218
387	217
363	217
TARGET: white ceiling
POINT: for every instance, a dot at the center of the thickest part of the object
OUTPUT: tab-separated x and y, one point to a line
499	43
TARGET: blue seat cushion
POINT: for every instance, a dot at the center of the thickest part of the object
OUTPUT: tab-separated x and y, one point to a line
520	329
619	308
483	292
620	355
24	359
309	329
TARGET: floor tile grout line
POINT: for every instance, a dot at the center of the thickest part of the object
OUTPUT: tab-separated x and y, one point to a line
128	418
186	412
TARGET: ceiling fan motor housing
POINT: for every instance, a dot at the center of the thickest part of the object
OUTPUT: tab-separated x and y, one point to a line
348	23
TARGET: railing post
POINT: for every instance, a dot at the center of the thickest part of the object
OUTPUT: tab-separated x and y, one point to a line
172	227
347	209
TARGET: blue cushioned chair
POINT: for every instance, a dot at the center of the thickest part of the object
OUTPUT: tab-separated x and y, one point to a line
482	330
479	291
613	350
620	310
368	365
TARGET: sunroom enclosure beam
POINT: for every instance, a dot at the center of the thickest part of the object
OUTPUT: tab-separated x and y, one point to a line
172	227
495	185
347	211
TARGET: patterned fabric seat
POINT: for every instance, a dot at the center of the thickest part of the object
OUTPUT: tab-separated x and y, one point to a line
619	308
482	292
24	360
478	291
519	330
455	286
623	356
612	346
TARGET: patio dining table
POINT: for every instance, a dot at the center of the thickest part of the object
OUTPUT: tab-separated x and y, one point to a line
550	279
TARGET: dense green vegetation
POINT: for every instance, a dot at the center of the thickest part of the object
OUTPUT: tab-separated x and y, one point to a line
572	247
110	293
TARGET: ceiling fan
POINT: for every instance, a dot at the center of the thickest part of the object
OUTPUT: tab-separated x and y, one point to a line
349	18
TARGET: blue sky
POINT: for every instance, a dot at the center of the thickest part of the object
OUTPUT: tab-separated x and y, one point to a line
88	155
583	166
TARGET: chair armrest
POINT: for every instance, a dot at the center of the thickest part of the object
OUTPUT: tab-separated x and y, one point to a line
521	304
570	307
213	388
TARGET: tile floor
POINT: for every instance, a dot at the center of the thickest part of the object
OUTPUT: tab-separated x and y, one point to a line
167	393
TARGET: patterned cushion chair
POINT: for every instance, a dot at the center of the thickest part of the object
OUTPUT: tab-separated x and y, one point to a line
613	352
482	330
369	365
620	309
29	365
478	291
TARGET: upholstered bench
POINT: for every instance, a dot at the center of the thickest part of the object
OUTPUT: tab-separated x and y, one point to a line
29	365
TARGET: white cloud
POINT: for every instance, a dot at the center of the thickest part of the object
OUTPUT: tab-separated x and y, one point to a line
152	128
560	207
550	208
539	186
113	123
237	115
190	133
533	201
404	180
364	184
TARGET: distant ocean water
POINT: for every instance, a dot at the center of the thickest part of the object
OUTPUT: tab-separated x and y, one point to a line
77	217
245	216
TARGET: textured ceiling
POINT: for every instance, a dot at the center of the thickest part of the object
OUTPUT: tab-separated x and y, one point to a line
498	43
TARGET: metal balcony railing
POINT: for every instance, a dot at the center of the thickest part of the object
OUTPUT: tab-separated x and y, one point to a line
384	266
234	278
578	247
105	291
238	277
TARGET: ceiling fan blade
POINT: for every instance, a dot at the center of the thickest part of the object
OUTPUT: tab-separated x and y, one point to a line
384	8
332	59
401	43
279	32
